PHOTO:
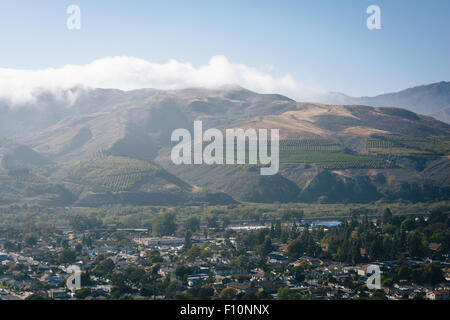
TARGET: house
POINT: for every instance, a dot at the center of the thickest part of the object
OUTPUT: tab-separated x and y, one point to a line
434	246
260	276
102	289
277	259
313	262
105	249
197	279
58	294
438	294
335	294
362	271
160	241
242	277
270	286
8	297
3	256
242	287
224	270
54	279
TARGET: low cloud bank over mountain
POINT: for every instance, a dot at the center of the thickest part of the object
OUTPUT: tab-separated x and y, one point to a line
128	73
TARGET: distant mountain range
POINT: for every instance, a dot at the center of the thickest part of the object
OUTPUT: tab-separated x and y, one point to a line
432	99
94	147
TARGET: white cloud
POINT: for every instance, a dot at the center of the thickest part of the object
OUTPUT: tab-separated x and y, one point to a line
128	73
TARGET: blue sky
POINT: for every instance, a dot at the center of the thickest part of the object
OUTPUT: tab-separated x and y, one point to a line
323	44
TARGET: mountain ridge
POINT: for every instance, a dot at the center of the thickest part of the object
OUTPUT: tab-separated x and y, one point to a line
428	99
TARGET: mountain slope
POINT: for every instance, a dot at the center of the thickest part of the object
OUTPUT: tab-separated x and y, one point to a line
329	153
328	121
139	123
442	115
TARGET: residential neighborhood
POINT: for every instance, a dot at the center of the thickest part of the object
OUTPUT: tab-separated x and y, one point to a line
273	261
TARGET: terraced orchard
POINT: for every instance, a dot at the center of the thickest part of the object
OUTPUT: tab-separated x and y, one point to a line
310	145
112	172
407	146
328	154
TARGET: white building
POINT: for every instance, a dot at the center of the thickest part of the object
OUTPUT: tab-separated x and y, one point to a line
160	241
